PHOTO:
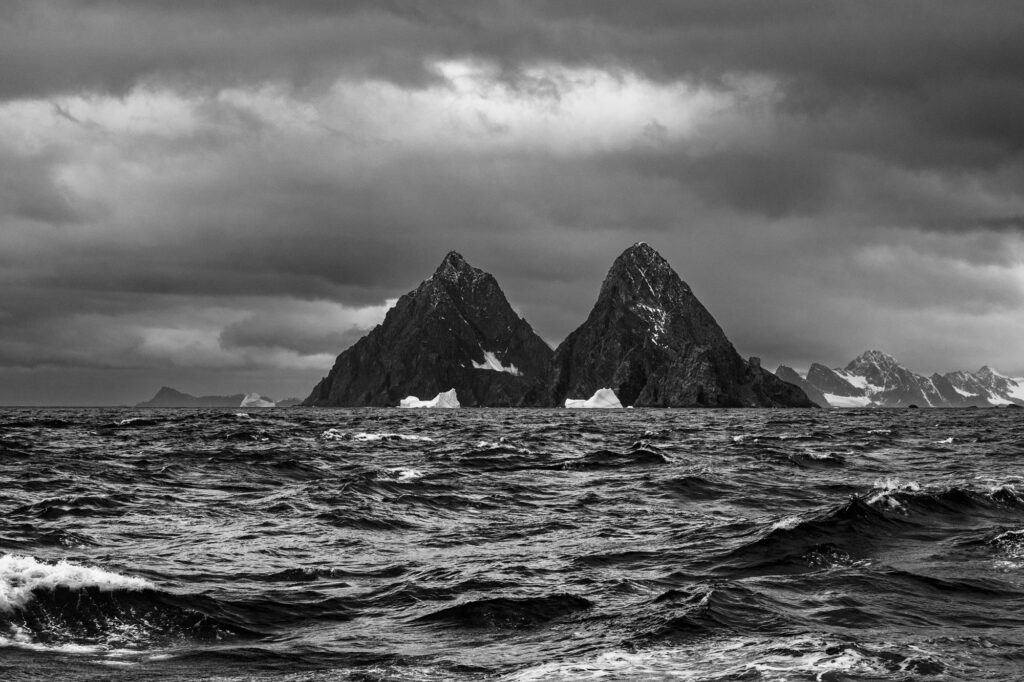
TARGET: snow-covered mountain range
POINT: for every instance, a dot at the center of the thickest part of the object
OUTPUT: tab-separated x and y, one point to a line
876	379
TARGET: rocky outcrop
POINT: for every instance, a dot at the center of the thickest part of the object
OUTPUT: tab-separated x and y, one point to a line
829	382
651	341
791	376
169	397
455	330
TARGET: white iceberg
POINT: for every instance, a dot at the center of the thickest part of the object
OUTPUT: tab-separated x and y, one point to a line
604	397
446	399
256	400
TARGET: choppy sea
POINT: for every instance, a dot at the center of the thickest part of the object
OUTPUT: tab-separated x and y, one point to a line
487	544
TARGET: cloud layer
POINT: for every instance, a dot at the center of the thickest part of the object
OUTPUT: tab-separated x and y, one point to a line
222	196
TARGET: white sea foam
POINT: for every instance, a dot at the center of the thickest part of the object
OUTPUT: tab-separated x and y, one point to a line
884	489
364	436
361	436
129	420
786	523
1011	549
400	474
776	660
21	576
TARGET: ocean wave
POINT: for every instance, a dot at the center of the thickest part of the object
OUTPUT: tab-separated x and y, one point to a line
850	531
694	486
69	606
81	505
746	657
508	613
365	436
22	577
641	454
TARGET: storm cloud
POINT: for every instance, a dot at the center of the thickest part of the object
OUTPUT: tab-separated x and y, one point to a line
222	196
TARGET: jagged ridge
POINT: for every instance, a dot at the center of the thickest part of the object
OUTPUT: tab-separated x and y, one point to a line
876	379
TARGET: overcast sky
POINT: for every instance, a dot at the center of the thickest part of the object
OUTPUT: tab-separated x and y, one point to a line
221	196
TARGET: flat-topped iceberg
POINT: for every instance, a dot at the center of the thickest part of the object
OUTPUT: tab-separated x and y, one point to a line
446	399
604	397
256	400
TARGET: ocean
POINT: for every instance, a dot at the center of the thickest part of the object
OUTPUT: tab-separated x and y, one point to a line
496	544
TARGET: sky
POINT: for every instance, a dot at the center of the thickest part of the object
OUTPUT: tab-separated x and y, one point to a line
222	196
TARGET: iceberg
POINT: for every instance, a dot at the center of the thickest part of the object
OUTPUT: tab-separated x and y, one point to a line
256	400
447	399
604	397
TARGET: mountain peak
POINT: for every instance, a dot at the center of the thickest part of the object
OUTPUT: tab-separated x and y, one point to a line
642	273
640	254
873	357
453	265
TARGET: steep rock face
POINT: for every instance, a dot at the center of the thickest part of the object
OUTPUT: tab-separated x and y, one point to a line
790	375
169	397
951	396
651	341
829	382
455	330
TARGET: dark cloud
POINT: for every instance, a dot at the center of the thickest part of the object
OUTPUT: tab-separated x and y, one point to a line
229	192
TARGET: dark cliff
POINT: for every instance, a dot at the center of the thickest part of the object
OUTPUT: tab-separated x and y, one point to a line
456	330
651	340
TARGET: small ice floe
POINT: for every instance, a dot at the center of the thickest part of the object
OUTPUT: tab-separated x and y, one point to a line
447	399
604	397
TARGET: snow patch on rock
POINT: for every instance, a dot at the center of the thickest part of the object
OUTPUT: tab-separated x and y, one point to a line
492	363
847	400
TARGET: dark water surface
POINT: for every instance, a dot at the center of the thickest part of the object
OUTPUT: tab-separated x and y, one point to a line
512	544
